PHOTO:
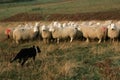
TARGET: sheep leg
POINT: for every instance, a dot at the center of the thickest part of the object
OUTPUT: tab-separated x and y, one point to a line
58	40
117	40
99	41
104	39
87	40
8	36
17	41
47	41
113	40
44	40
71	39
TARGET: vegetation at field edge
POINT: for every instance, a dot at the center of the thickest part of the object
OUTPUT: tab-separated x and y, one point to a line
58	7
64	61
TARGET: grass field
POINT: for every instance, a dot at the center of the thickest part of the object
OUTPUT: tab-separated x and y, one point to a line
58	6
64	61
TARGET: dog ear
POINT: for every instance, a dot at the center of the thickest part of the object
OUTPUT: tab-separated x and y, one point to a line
38	49
33	46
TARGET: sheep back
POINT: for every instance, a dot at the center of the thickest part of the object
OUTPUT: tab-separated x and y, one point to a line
23	34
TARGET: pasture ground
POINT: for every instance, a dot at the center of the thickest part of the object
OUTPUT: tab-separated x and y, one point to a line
108	15
60	10
64	61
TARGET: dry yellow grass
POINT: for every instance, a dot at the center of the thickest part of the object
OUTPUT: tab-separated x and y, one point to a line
64	61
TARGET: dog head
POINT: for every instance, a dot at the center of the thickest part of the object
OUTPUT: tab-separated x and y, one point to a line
37	49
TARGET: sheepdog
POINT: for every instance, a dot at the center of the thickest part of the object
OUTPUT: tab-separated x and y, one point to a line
24	54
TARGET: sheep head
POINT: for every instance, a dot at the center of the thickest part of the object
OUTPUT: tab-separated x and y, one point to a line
112	26
44	28
36	27
51	29
79	28
104	29
55	23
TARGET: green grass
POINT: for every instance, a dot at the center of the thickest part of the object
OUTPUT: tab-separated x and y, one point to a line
58	6
75	61
26	3
10	9
64	61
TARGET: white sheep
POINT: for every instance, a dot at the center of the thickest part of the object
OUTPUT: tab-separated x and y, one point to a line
61	33
46	34
55	23
9	33
113	32
93	32
25	33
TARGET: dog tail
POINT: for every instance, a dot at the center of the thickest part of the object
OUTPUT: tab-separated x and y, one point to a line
13	60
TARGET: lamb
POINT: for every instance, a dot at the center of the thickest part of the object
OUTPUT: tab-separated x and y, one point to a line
46	34
62	33
26	53
25	33
113	32
93	32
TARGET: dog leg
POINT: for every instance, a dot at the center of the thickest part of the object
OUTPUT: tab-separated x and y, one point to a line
24	60
20	60
34	58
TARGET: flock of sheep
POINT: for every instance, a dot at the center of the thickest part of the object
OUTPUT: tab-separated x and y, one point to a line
69	30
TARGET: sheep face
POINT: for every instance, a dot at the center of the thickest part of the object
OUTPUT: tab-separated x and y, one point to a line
112	27
44	28
55	23
78	28
52	29
36	27
64	25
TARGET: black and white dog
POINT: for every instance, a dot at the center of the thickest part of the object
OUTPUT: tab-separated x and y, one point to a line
26	53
